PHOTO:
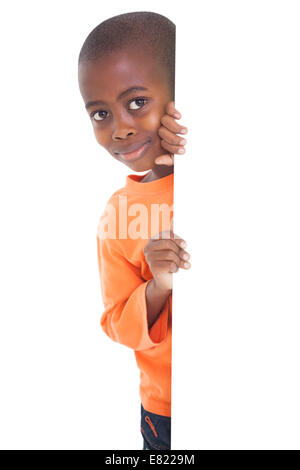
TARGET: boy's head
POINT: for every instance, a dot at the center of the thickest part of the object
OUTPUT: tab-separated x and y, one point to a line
133	53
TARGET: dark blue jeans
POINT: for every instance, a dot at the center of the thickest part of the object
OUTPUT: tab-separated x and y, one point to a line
156	431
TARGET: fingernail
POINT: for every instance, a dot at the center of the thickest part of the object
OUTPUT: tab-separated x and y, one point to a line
186	265
182	141
181	150
183	244
177	115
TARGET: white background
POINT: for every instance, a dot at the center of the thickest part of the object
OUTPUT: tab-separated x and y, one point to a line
64	384
237	203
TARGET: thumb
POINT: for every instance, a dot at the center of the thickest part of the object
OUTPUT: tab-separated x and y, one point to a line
166	159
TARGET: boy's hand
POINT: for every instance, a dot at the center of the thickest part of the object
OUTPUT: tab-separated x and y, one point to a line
170	141
165	255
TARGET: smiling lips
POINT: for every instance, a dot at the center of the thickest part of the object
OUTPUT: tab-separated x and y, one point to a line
137	153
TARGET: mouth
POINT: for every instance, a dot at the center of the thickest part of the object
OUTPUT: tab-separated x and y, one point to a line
136	154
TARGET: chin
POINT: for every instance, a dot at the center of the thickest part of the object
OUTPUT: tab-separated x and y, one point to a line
140	166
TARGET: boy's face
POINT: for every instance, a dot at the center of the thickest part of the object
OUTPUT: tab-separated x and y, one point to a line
125	123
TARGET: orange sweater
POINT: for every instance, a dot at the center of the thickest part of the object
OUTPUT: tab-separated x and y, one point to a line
132	215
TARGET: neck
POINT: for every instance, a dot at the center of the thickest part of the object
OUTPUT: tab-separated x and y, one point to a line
159	171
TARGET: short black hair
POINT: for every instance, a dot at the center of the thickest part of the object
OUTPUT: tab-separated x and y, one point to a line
151	31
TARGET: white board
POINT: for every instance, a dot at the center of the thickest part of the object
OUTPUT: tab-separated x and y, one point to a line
236	312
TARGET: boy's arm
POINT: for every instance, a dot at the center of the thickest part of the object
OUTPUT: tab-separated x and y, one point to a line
126	316
155	300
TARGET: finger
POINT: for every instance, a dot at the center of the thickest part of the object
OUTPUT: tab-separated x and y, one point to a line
166	255
172	111
166	267
172	125
167	251
167	240
165	160
160	256
172	148
170	137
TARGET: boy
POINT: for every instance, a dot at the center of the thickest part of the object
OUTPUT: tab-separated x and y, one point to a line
126	78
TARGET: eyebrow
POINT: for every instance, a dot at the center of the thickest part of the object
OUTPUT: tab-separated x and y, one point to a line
121	95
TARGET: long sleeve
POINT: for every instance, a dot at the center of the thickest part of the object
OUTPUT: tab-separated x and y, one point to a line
124	296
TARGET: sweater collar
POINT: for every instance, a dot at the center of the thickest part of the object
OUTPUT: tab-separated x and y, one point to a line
133	184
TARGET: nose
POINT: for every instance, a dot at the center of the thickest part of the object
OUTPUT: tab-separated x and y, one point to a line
122	130
121	134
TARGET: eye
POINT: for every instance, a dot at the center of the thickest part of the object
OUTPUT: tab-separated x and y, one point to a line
97	118
144	100
140	102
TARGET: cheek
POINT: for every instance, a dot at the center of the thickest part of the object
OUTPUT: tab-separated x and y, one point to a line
101	137
152	121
